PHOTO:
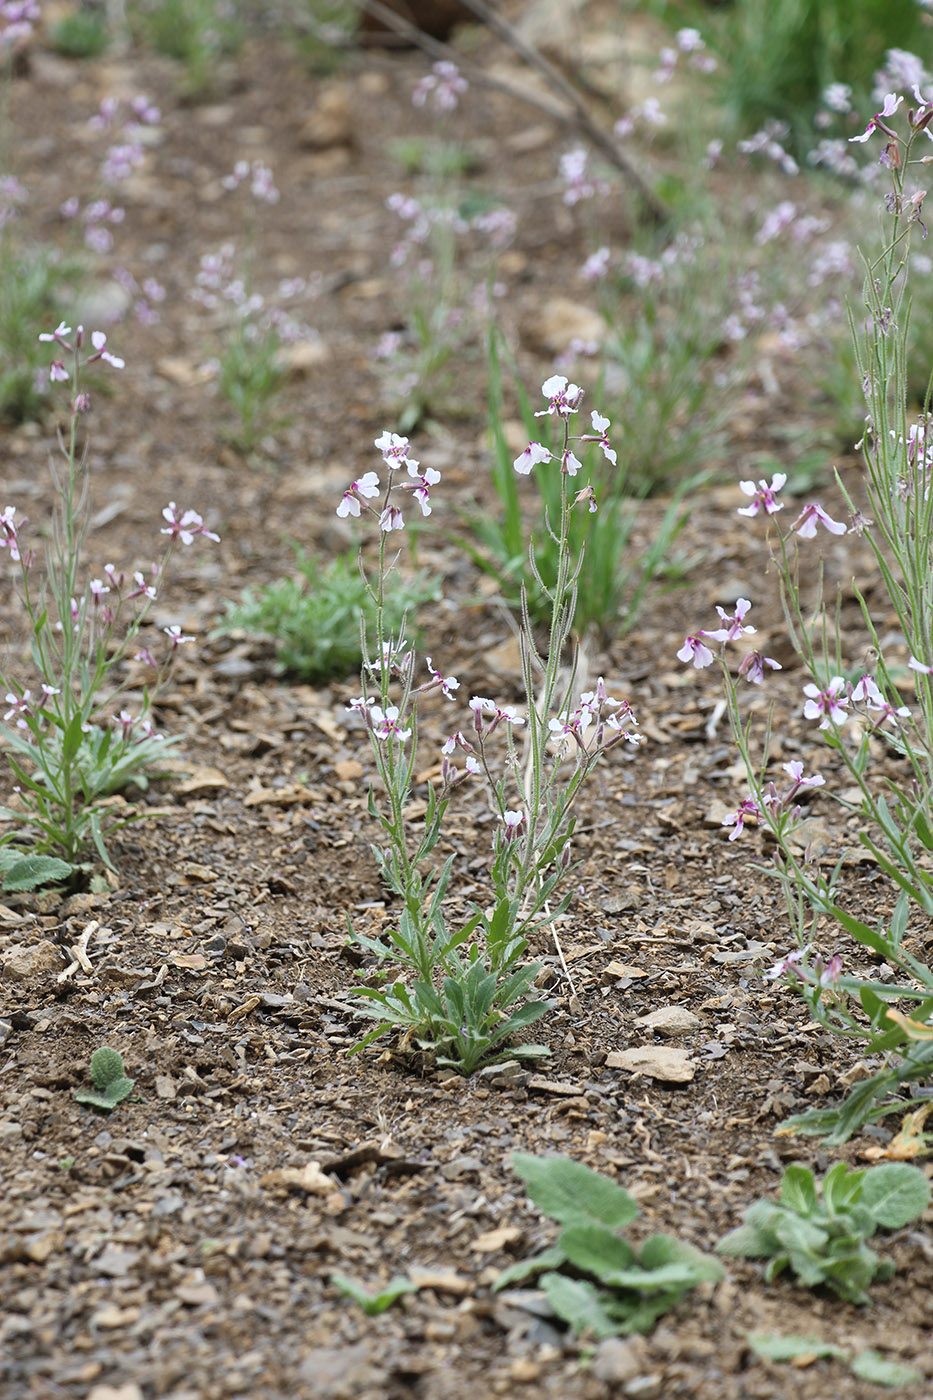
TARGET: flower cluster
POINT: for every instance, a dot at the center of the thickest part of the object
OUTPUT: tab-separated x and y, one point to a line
776	802
17	19
57	371
394	449
262	184
218	283
564	400
619	721
577	184
441	89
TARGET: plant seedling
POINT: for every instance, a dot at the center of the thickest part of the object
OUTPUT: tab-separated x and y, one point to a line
822	1236
632	1288
374	1303
867	1364
111	1085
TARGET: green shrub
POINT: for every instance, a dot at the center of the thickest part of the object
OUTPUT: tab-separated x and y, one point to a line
315	617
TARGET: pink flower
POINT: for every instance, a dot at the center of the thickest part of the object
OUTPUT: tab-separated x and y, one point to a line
385	723
483	708
176	636
747	808
58	373
532	455
600	435
58	335
867	693
99	341
441	88
19	706
391	519
764	497
806	522
794	770
365	488
913	663
829	705
447	684
421	485
753	667
696	650
185	527
570	464
394	450
786	965
512	822
891	104
9	538
734	626
596	266
564	398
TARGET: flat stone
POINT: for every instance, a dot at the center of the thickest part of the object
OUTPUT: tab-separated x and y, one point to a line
22	960
662	1062
670	1020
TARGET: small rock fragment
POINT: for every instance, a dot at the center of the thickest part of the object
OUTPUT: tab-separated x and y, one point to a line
22	960
616	1361
670	1020
662	1062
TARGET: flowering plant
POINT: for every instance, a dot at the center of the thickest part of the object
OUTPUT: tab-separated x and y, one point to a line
69	745
882	746
467	996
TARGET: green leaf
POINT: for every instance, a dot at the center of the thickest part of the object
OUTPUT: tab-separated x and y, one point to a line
30	872
772	1347
580	1304
748	1241
596	1250
118	1090
661	1250
72	739
105	1099
798	1235
870	1365
798	1190
895	1193
842	1188
571	1193
374	1303
548	1259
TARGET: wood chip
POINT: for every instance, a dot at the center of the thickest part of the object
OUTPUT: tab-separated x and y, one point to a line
441	1281
495	1240
244	1008
308	1178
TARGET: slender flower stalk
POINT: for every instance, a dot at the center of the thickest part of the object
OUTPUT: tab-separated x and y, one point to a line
69	749
471	980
